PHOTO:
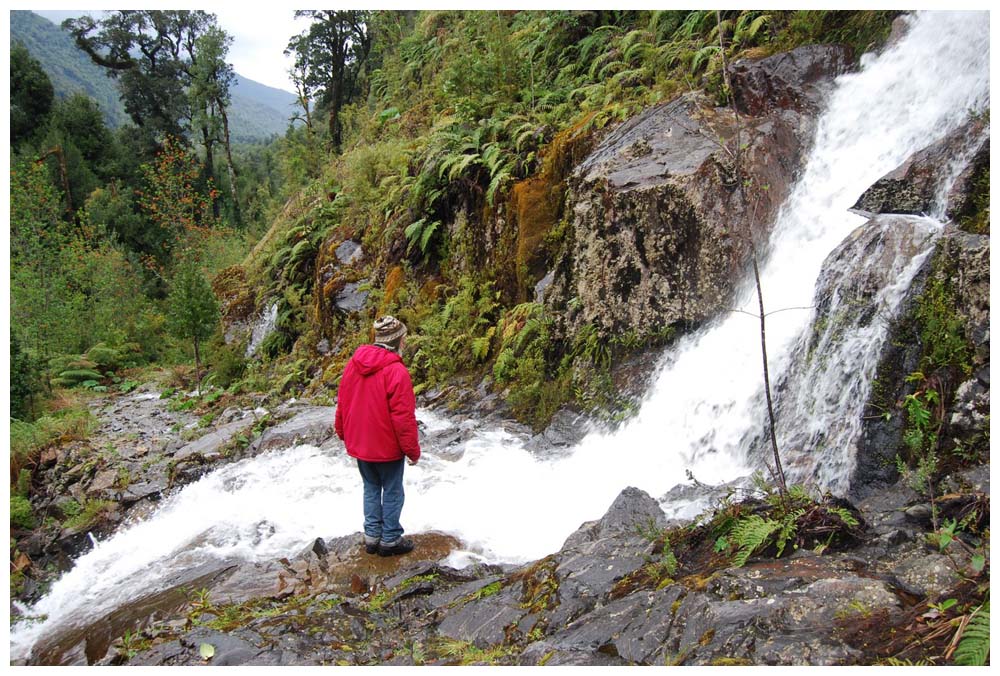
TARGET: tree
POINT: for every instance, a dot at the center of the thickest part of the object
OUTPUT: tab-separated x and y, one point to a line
329	56
150	53
31	95
194	311
177	210
211	80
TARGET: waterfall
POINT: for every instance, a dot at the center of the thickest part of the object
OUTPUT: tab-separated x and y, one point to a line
701	415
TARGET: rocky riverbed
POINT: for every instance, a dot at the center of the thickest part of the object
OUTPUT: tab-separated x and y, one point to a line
628	588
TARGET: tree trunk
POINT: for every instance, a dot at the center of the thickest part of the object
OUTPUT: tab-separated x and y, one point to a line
197	365
232	168
209	143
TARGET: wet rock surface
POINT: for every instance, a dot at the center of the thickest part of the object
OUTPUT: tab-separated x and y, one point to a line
334	604
919	185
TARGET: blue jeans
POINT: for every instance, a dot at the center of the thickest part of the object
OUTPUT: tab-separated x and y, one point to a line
383	499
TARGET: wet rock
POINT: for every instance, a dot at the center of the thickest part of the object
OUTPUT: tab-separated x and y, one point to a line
211	445
352	297
561	436
915	186
796	80
152	488
963	260
308	425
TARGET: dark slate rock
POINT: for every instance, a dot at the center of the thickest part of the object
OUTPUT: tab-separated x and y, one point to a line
565	431
796	80
483	622
632	628
912	187
210	445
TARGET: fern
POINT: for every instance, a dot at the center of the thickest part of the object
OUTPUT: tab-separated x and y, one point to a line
974	648
749	535
703	56
786	529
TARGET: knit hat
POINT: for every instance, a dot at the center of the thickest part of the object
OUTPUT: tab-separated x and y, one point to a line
389	331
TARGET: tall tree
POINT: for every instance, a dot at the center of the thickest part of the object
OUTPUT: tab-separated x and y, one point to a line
211	80
150	53
329	56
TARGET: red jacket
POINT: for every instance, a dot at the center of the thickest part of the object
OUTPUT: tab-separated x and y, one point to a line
376	407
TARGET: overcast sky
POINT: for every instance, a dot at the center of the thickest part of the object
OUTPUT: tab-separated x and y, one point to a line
260	35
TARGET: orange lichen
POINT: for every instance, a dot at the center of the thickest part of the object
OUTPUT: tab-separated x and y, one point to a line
536	203
393	283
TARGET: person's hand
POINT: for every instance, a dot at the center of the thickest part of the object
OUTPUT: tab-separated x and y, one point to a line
412	462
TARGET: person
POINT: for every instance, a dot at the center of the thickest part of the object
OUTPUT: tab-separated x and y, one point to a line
376	420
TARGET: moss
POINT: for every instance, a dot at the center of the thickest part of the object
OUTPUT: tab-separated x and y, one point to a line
393	283
90	513
707	637
731	662
21	515
977	218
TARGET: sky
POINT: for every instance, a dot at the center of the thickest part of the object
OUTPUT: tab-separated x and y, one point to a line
260	35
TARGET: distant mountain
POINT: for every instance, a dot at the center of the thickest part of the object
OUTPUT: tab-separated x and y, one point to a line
258	112
69	69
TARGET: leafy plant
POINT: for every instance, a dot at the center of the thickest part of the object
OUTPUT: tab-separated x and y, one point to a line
974	646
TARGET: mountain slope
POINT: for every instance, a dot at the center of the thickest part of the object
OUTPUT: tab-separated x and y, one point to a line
257	113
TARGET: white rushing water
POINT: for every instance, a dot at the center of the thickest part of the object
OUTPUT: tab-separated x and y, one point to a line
507	504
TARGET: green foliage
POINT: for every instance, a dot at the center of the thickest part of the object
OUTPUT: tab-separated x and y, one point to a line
28	439
90	513
450	340
31	95
21	515
941	332
25	381
194	311
974	646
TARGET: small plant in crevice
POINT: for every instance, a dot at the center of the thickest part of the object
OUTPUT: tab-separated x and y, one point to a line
777	523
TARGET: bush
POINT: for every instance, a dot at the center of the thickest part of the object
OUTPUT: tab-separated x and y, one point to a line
21	515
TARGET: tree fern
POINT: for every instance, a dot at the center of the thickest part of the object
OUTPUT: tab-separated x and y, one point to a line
974	648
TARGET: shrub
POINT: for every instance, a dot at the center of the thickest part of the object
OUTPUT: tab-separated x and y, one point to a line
21	515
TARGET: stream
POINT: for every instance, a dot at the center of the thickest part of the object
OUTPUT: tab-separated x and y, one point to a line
702	415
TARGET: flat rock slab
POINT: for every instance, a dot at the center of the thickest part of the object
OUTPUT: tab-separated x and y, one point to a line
309	425
210	446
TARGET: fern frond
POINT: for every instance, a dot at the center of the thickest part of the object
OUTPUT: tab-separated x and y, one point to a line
974	648
786	530
749	535
702	56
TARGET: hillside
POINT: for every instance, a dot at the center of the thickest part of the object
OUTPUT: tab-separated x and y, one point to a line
258	111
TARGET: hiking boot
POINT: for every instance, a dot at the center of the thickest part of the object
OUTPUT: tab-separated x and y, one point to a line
371	545
400	546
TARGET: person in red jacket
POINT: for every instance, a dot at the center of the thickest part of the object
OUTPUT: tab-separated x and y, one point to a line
376	419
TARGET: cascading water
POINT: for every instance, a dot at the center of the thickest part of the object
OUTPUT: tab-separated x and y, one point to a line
502	501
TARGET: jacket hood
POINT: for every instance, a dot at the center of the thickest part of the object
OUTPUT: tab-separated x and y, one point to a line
370	359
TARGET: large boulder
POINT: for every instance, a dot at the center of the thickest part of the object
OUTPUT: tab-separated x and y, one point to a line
659	216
